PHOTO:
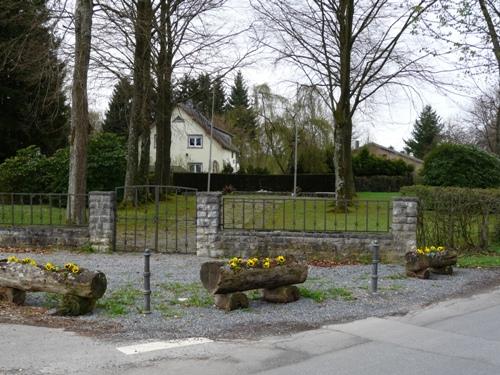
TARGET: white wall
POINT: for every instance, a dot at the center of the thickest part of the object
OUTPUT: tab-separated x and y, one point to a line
182	155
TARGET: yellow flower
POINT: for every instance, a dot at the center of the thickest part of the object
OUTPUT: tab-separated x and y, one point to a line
75	269
427	250
433	249
50	267
266	263
440	248
280	259
420	251
13	259
251	262
29	261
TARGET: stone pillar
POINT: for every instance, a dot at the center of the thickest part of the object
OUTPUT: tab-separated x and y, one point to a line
208	209
102	216
404	224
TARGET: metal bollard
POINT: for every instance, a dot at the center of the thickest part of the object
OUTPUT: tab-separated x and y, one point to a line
147	282
375	261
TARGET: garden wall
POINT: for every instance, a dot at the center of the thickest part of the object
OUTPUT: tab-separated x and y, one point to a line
99	233
214	241
306	182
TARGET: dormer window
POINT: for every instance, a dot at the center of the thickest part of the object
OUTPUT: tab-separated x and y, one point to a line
195	141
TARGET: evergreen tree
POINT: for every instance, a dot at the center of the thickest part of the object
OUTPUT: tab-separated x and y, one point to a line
239	113
220	96
203	95
118	113
239	93
425	134
33	109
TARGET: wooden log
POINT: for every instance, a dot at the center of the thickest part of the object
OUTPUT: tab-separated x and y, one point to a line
75	305
441	260
12	295
446	270
218	278
86	283
416	262
421	274
231	301
282	294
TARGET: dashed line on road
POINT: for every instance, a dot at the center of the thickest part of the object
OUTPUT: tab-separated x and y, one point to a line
161	345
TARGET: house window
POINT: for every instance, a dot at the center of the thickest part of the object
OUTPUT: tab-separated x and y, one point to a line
195	141
195	167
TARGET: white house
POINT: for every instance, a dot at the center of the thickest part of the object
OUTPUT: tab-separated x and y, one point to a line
191	142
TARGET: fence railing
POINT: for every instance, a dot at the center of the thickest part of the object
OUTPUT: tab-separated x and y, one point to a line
36	209
305	214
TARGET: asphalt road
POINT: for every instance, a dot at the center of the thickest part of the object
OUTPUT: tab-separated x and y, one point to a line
459	336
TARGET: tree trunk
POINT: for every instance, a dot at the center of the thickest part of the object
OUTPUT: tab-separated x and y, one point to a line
87	284
218	278
144	165
344	179
164	106
77	185
140	106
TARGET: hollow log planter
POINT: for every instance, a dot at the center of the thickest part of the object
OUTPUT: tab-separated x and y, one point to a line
421	265
227	285
80	291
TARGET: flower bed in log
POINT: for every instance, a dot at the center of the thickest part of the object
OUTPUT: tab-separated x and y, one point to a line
80	287
228	280
423	261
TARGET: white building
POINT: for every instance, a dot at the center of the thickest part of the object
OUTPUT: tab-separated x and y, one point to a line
190	145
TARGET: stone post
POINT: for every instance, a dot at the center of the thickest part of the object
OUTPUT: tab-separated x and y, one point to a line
404	224
102	216
208	209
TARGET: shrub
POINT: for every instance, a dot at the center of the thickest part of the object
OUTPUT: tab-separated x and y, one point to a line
24	172
458	218
31	171
462	166
366	164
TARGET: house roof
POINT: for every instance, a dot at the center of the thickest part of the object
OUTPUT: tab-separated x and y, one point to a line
223	137
392	151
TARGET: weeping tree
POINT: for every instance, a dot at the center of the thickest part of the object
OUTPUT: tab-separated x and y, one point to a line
77	181
350	50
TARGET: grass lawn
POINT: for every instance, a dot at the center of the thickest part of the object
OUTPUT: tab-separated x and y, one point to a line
488	259
369	212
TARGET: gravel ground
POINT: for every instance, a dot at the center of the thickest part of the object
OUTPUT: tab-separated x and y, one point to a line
175	284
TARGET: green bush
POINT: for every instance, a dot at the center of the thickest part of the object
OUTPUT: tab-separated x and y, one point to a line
31	171
462	166
463	219
366	164
24	172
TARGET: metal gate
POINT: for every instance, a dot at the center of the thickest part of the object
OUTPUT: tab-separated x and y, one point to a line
161	218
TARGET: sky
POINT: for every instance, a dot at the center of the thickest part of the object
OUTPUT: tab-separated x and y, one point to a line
387	120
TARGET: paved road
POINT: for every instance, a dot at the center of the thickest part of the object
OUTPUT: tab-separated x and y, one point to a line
455	337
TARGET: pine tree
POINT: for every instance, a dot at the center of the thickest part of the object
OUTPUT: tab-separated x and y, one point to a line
118	114
425	134
220	96
239	93
33	108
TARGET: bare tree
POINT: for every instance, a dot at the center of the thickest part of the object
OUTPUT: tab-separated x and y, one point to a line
350	50
77	183
473	28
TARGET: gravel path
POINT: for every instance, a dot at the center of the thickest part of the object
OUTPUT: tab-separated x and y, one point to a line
175	284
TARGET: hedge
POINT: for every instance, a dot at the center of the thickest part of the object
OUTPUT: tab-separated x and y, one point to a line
463	219
306	182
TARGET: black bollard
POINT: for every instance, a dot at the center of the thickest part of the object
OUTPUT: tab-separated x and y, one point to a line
375	261
147	282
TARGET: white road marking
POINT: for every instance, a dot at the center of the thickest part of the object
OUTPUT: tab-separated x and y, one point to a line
160	345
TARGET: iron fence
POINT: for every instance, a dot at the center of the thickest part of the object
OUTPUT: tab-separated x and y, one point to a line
37	209
305	214
161	218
